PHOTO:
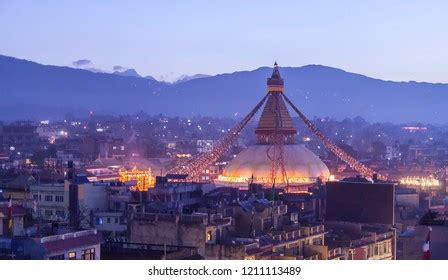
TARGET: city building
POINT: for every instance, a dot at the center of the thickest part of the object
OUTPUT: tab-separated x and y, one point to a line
19	138
362	241
174	193
78	245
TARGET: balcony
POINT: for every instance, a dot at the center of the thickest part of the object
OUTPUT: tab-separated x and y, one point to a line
334	253
313	230
281	210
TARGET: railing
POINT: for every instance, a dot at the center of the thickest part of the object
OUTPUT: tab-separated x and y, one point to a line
315	229
362	241
68	235
334	252
384	236
313	257
174	251
170	217
292	235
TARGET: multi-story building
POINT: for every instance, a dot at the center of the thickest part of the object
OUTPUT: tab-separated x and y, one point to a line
11	219
427	153
51	202
204	146
293	243
362	241
175	193
79	245
195	230
113	148
19	138
110	222
393	152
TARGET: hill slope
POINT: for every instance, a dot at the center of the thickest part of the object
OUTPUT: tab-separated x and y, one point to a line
31	90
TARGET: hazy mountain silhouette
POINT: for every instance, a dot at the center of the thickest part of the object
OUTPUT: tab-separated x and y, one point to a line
31	91
128	73
185	78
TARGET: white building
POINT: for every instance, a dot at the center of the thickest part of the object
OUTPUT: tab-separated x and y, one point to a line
393	152
113	222
51	201
204	146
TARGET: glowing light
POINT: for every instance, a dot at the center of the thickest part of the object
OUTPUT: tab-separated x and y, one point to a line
291	180
414	128
144	178
425	182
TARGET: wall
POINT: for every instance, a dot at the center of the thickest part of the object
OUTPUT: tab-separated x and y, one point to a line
411	200
169	233
79	252
224	252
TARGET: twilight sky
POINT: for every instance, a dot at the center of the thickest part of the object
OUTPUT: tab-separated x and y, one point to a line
392	40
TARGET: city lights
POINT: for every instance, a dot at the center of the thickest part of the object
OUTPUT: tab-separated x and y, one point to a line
424	182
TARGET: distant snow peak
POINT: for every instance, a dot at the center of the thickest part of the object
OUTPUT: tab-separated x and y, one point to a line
184	78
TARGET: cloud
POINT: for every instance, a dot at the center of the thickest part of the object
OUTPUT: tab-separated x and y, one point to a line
120	68
87	64
82	63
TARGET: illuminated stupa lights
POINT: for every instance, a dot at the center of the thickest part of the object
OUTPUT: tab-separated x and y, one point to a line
144	179
254	164
424	183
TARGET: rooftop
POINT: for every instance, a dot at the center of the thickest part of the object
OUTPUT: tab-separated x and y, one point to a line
62	242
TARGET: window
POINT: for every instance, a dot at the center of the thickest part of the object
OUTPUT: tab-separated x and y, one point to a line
48	198
116	220
209	235
72	255
60	213
59	198
99	221
57	257
108	220
88	254
267	223
317	241
35	197
48	212
294	217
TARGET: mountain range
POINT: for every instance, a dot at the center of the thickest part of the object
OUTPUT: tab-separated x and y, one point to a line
29	90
